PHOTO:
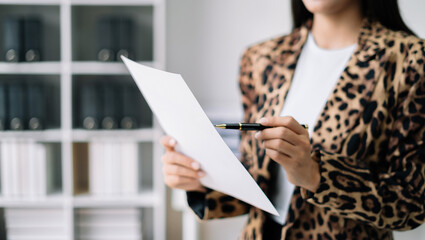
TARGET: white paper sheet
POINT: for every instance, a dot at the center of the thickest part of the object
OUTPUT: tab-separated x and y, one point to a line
182	118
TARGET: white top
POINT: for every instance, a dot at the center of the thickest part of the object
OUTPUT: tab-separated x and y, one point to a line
315	76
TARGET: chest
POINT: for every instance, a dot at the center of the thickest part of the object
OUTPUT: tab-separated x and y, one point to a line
354	112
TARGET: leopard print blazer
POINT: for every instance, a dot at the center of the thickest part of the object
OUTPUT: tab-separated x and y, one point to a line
368	140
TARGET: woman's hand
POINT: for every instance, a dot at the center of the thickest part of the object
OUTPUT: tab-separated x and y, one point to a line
288	144
180	171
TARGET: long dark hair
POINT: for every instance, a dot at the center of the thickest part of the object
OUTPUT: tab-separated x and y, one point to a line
384	11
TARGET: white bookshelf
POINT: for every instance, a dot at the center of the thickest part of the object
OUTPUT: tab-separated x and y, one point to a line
68	63
105	68
31	68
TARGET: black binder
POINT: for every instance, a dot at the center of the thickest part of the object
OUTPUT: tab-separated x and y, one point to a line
129	114
16	107
124	36
3	106
105	39
12	37
144	113
36	106
90	106
111	105
32	38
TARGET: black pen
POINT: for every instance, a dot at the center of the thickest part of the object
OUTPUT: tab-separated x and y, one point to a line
248	126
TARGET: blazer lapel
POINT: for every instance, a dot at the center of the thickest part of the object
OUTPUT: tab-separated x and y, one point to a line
285	61
350	97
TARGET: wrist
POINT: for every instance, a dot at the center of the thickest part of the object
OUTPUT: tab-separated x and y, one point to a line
315	177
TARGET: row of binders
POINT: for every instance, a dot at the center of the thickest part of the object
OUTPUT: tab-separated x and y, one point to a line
90	224
103	224
29	169
114	38
111	105
23	106
35	224
22	39
111	168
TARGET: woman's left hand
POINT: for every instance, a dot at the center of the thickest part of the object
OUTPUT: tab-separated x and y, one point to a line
288	144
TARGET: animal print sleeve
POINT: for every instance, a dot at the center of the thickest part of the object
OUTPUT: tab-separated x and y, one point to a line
394	198
215	204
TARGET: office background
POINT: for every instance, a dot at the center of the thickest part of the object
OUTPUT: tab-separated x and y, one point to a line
204	42
58	180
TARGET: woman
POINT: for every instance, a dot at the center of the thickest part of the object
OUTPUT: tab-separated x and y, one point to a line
355	72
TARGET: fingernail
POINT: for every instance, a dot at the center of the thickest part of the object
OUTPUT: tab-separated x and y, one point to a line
257	134
195	165
262	120
201	173
172	142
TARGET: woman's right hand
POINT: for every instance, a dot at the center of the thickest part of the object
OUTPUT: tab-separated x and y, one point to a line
180	171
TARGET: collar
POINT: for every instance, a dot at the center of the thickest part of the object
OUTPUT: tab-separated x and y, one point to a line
368	44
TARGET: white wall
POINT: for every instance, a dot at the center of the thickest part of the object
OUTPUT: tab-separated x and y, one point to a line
205	39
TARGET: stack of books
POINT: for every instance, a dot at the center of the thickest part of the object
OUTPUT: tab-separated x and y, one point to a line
98	224
34	224
113	168
29	169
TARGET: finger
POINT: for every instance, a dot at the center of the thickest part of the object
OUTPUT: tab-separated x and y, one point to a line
191	186
283	133
175	181
286	121
280	146
277	156
173	157
174	169
168	142
182	182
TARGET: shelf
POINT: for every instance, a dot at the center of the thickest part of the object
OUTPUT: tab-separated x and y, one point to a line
102	68
42	202
114	2
69	59
30	68
146	199
53	135
31	2
141	135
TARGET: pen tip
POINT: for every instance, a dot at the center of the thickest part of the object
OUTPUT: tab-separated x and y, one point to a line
223	126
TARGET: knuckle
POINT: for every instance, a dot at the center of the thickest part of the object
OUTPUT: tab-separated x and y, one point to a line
272	154
291	119
268	144
173	156
283	131
186	161
175	179
281	145
176	170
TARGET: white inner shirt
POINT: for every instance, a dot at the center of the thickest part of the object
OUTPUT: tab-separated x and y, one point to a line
314	79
